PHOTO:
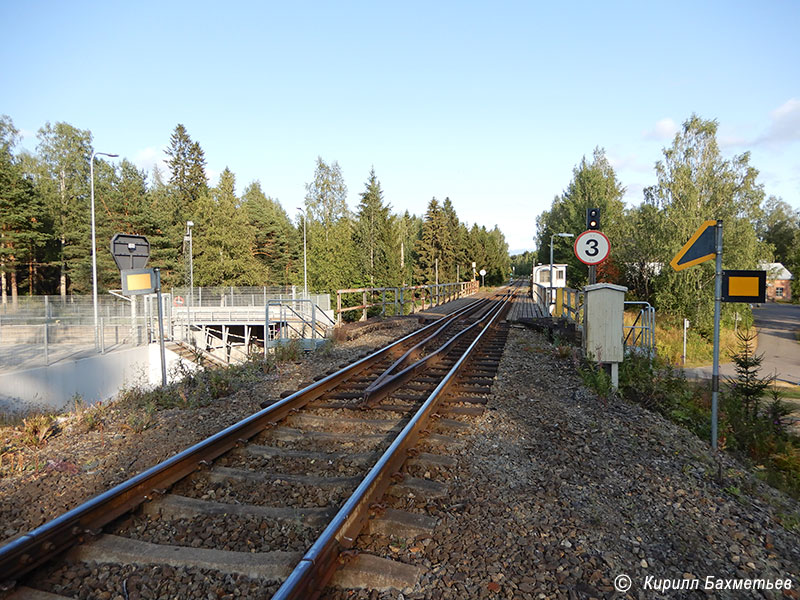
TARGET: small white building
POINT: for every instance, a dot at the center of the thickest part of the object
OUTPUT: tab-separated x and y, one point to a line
541	276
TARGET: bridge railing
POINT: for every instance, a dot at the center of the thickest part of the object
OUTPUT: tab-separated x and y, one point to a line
393	300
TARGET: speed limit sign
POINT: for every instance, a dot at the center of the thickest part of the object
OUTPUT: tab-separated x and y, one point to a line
592	247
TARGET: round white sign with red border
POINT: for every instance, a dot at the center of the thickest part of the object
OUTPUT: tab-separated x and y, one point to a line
592	247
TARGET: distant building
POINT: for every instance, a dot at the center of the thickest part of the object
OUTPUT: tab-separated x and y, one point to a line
779	281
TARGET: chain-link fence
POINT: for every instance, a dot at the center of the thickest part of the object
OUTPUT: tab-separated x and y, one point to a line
38	331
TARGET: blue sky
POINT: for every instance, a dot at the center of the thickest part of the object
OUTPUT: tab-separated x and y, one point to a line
489	103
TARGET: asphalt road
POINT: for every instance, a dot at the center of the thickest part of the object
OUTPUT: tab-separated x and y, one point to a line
777	325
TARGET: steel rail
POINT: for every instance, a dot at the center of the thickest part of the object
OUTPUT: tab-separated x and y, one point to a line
390	383
414	352
316	567
30	550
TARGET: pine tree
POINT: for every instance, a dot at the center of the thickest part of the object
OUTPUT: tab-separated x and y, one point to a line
21	226
63	177
276	241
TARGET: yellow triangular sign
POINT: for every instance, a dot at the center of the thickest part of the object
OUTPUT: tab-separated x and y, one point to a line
699	248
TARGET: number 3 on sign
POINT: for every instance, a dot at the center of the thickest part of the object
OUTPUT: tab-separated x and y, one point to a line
592	247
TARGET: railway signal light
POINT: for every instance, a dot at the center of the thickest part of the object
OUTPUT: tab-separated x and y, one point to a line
592	218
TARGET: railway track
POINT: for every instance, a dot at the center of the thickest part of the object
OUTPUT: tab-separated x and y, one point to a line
273	505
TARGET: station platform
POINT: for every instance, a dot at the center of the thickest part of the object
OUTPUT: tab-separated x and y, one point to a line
525	309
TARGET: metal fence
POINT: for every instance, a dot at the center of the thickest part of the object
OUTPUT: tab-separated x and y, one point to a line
231	296
40	330
642	334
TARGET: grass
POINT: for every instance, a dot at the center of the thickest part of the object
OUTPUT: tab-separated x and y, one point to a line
699	350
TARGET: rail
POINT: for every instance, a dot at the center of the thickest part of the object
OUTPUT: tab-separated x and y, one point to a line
310	576
54	537
424	296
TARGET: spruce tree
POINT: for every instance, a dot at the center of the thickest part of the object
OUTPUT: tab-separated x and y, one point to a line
223	239
373	234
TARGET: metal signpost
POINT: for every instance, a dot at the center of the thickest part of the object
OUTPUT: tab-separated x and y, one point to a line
131	253
705	244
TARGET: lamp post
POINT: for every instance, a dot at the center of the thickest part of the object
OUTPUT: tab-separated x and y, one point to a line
563	235
94	242
188	238
305	255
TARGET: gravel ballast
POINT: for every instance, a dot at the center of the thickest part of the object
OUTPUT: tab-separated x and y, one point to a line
554	493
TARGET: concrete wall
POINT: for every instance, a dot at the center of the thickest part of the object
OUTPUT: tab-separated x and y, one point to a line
95	378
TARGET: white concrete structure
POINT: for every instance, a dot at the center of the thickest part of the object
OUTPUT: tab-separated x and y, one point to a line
98	377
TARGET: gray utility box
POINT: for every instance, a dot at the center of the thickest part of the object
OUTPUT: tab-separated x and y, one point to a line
604	307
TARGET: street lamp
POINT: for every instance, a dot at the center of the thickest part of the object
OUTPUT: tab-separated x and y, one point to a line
305	255
188	238
563	235
94	243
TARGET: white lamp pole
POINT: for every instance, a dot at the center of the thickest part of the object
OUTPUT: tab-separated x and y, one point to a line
564	235
305	255
188	237
94	244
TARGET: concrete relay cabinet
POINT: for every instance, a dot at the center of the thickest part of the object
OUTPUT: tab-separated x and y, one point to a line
604	307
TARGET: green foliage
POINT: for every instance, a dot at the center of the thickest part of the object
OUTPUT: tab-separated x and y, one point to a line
290	351
62	175
373	236
522	264
249	240
595	377
277	245
332	256
695	183
224	240
22	226
594	185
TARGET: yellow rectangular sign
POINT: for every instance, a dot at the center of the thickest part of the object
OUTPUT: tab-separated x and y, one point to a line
138	281
744	286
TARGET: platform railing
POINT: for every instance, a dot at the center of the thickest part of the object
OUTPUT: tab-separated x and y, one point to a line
642	334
